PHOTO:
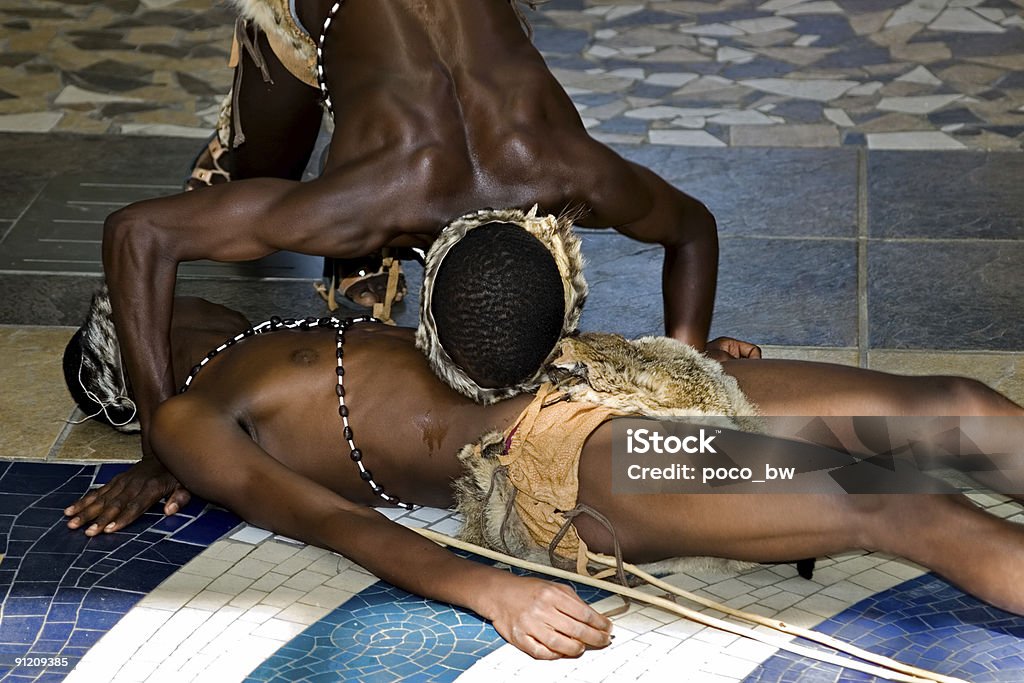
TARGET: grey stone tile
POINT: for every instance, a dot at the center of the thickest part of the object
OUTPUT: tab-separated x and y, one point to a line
1004	372
787	292
946	295
45	300
777	192
945	194
771	291
64	299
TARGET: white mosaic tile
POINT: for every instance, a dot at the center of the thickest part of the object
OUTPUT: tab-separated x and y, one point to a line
72	94
920	104
810	89
913	140
869	88
762	24
746	116
775	5
838	117
962	20
688	122
916	12
734	54
31	122
250	534
823	7
671	79
721	30
695	138
164	130
920	74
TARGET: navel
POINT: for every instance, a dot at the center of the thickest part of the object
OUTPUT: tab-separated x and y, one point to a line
304	356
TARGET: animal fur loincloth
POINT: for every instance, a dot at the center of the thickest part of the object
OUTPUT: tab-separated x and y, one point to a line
646	377
94	372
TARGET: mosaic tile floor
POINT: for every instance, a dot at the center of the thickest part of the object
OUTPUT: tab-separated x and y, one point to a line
888	74
177	599
861	157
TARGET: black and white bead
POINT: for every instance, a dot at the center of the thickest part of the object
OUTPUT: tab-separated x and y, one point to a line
339	326
321	81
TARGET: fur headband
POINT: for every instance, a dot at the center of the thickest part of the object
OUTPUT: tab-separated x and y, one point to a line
557	236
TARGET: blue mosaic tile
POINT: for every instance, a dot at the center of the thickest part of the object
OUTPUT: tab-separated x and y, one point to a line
387	634
208	528
61	590
104	473
924	622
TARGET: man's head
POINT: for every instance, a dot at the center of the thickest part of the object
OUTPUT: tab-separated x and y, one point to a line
500	289
93	371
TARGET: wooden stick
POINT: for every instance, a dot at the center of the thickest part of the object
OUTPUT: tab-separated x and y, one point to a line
775	624
693	615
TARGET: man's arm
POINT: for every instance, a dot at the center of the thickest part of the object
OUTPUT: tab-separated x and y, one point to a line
214	457
144	243
638	203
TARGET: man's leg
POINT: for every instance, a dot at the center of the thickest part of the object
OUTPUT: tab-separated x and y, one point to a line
782	387
274	118
985	422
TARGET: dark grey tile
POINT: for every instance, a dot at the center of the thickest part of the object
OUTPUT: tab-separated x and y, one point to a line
146	159
777	192
560	40
771	291
37	299
45	300
946	295
946	194
62	230
788	292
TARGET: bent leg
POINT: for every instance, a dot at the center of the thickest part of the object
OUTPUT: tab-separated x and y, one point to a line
280	117
981	553
850	396
270	127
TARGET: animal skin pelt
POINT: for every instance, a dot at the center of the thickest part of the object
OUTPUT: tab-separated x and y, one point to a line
651	376
94	372
557	235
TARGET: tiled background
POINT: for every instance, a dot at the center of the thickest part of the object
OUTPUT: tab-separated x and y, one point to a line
862	157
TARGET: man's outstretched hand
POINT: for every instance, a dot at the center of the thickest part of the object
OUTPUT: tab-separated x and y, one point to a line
727	348
126	497
548	620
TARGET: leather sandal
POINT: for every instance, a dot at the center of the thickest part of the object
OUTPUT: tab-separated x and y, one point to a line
347	274
206	169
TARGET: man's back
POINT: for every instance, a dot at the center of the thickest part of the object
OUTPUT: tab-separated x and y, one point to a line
455	90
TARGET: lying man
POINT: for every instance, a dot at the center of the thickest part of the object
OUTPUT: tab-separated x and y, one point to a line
439	108
299	430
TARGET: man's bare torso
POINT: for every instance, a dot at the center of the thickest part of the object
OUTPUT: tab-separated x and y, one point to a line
280	388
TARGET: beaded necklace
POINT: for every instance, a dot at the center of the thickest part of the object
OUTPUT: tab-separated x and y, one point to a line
320	58
339	326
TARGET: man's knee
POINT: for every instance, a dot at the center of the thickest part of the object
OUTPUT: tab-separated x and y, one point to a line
971	396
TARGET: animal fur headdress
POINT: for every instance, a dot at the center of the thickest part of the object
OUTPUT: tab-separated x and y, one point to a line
93	370
556	234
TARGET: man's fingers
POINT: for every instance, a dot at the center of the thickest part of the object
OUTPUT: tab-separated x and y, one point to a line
536	649
178	499
107	520
559	643
571	605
